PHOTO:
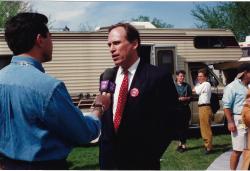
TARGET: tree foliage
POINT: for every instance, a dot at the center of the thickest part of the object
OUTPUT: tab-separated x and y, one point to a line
228	15
11	8
157	22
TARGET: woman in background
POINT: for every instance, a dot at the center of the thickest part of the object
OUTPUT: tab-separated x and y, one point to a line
184	91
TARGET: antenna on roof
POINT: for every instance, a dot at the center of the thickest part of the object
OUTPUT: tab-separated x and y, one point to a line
66	28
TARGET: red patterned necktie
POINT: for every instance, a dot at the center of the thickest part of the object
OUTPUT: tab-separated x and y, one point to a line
122	98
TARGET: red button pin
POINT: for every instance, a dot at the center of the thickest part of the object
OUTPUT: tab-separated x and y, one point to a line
134	92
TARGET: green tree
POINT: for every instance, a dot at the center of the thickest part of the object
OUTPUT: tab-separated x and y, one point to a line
157	22
11	8
228	15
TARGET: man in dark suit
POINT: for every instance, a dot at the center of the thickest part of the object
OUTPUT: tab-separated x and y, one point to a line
141	121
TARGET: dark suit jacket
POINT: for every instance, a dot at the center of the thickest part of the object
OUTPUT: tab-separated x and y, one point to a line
147	125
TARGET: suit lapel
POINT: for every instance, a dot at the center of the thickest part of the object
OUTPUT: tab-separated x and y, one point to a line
137	87
139	76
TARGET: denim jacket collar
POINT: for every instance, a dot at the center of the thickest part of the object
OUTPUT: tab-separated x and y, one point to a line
29	61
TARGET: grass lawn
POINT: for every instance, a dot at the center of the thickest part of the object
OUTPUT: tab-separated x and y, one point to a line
193	159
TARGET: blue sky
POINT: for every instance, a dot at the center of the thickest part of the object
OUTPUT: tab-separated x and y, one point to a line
74	14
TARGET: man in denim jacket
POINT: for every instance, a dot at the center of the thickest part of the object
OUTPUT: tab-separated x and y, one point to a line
39	125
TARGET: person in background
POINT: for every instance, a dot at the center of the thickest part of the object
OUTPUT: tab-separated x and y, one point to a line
39	122
185	92
140	123
233	101
203	89
246	120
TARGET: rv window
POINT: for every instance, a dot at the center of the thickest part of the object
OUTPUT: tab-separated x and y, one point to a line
166	58
245	51
204	42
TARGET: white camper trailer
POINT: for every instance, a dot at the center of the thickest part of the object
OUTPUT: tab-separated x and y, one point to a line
80	57
245	46
230	67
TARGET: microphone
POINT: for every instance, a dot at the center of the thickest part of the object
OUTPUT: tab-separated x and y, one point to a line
107	85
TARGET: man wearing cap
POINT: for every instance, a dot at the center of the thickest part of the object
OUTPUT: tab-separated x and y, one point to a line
233	101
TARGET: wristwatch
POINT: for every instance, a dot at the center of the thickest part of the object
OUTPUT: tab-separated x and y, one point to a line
98	106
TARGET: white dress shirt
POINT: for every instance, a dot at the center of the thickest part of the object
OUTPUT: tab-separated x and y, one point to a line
204	92
119	79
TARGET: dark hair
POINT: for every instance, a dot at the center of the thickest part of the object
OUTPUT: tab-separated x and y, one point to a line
21	31
180	72
131	31
203	71
244	67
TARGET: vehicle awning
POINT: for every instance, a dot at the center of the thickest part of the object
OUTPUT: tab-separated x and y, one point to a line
227	65
245	59
230	65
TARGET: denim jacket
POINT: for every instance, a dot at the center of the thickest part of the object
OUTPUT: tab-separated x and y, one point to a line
38	120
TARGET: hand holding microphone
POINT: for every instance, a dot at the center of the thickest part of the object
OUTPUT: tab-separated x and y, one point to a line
102	101
107	88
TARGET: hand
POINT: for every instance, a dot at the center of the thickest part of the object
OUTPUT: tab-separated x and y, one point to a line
104	100
101	104
193	90
181	98
248	101
231	127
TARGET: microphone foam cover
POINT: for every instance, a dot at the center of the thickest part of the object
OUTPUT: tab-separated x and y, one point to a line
108	74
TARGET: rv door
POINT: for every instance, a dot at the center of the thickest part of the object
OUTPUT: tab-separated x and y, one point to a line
165	56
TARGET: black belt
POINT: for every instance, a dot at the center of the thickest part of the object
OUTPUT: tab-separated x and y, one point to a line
11	164
206	104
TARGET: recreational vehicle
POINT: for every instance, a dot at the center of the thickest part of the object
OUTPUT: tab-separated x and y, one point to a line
245	46
230	67
80	57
